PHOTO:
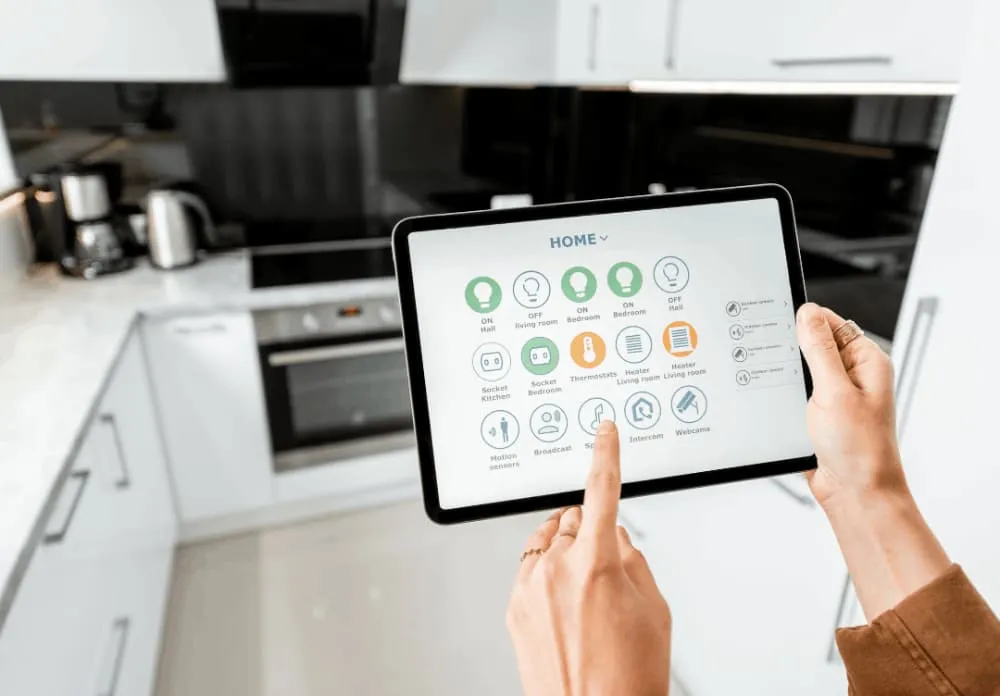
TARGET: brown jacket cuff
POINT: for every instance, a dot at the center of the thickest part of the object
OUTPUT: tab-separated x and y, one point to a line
942	640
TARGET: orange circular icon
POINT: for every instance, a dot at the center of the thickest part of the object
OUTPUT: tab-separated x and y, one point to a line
588	350
680	339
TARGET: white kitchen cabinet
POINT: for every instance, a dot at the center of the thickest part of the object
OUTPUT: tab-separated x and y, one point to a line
87	616
210	399
479	42
615	42
945	344
752	576
807	41
519	42
595	41
129	468
110	40
128	634
45	643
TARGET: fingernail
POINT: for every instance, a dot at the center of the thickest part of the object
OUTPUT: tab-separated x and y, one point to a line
605	428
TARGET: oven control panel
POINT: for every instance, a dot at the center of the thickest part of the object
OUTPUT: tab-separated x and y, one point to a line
328	319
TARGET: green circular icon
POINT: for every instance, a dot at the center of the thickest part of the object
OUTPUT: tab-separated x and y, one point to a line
540	356
483	294
625	279
579	284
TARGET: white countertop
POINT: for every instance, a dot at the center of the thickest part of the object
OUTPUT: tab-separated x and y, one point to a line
59	340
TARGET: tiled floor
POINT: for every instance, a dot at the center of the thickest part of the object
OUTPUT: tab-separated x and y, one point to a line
375	602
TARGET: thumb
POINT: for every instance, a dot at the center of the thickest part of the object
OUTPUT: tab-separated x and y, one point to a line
819	348
600	500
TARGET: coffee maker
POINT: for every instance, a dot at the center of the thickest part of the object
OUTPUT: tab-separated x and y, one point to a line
87	234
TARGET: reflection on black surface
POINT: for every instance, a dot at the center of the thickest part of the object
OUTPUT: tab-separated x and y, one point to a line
281	232
300	268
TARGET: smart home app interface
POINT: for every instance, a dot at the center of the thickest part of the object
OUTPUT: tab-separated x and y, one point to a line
676	324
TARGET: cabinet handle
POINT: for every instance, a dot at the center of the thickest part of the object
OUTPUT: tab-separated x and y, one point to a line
786	63
913	359
353	350
109	420
207	329
595	20
673	19
80	478
119	633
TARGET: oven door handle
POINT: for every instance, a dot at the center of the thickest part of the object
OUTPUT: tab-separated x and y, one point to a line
353	350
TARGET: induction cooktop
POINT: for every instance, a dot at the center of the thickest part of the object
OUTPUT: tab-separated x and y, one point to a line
318	251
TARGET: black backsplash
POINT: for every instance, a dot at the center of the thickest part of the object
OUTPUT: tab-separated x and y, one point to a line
857	168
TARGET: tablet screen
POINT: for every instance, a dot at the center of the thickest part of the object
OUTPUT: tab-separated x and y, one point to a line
676	323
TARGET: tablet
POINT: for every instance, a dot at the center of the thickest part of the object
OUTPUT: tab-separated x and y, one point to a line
671	315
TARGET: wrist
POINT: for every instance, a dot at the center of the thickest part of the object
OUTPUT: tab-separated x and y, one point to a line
871	480
890	551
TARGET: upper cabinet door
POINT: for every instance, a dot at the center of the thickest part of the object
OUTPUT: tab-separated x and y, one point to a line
116	40
578	41
479	42
819	40
595	41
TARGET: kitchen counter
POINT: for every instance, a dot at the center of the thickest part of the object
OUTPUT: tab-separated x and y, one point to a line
59	341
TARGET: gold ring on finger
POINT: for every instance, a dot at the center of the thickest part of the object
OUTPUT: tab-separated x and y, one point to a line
531	552
847	332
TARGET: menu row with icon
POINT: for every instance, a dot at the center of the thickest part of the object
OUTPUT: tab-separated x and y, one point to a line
532	289
549	422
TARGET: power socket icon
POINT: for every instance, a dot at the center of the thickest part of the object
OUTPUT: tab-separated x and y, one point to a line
540	356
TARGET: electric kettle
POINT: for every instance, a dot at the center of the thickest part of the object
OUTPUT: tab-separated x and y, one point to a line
170	229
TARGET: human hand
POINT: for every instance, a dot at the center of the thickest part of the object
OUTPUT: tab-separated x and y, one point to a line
851	415
585	615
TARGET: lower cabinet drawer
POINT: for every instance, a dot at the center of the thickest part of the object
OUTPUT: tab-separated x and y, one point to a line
86	628
49	640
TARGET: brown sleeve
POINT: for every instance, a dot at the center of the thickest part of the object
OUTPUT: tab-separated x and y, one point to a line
943	640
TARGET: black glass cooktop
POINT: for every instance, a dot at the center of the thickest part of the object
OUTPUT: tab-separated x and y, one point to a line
305	252
320	266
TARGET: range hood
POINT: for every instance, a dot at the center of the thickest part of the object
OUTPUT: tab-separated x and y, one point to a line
311	43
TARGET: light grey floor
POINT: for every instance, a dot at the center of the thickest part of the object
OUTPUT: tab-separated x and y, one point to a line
375	602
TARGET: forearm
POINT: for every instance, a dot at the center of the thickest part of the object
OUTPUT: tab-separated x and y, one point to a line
890	551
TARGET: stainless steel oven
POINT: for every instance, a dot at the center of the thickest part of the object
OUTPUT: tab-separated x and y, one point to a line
334	381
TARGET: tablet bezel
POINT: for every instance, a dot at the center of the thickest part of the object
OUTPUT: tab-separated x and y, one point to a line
414	357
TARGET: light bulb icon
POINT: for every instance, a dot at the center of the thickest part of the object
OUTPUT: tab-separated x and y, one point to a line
624	276
531	287
671	271
484	294
578	281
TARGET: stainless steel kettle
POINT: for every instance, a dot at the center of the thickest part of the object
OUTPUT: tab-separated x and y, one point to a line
172	238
